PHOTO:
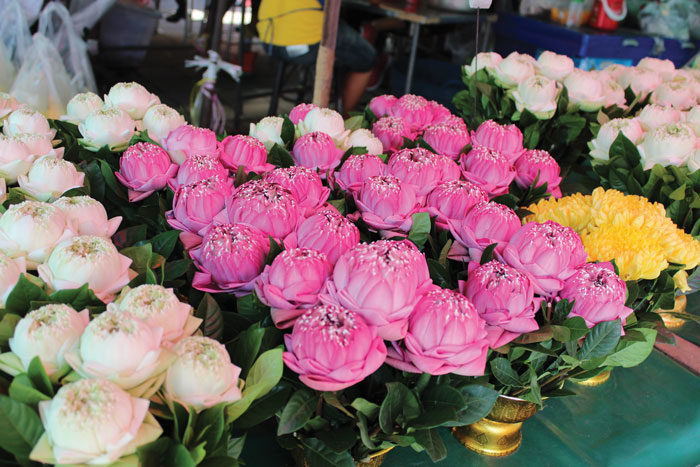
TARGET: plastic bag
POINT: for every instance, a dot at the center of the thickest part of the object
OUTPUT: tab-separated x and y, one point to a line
7	69
675	19
43	82
56	25
86	13
31	9
14	31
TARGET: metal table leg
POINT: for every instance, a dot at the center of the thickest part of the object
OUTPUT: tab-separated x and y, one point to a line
414	31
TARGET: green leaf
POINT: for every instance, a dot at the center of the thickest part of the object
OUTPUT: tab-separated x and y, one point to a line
22	295
432	443
365	407
7	327
245	348
164	451
111	181
287	133
632	353
262	377
39	378
441	403
354	123
209	427
132	235
210	312
478	402
319	455
77	298
22	390
250	307
140	257
577	327
164	243
20	427
439	273
504	373
420	229
339	439
601	340
265	407
275	249
235	446
487	255
507	200
279	156
175	269
399	405
297	412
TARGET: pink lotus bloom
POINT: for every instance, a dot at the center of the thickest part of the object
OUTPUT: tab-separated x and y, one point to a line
485	223
332	348
417	167
446	139
270	207
358	168
195	205
391	131
439	112
198	167
386	204
450	169
246	151
292	283
488	169
381	105
445	335
382	281
506	139
326	231
598	292
188	140
143	169
305	185
455	122
548	253
414	110
451	201
537	163
504	298
299	111
317	150
229	259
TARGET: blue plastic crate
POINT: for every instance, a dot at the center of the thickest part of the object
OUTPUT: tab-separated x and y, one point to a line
528	35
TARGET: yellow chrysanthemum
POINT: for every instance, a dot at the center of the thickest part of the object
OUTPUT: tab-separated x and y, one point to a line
637	252
629	229
680	279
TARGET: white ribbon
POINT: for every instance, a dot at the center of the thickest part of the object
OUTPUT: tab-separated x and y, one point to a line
213	65
483	4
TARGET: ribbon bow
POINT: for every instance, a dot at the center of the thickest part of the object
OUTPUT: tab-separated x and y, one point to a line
213	65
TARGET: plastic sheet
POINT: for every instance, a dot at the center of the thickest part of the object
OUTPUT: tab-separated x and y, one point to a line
55	24
86	13
43	82
679	19
14	31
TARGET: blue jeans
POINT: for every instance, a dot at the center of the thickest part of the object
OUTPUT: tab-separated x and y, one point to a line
352	51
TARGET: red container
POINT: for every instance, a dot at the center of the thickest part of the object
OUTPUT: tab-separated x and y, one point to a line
607	14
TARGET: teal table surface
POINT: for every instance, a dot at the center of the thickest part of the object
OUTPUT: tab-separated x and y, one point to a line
643	416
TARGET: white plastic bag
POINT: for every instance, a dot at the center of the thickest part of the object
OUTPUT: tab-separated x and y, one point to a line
7	69
86	13
43	82
14	31
31	9
56	25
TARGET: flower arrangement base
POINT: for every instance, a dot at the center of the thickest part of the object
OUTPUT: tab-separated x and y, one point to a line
375	459
499	434
596	380
670	321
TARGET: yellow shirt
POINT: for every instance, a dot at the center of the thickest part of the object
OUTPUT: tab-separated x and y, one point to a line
290	22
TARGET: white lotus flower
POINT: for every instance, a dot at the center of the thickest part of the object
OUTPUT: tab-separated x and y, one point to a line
39	145
108	126
8	104
600	145
27	120
554	66
87	216
10	270
15	158
50	177
513	70
671	144
133	98
268	130
653	116
363	137
641	80
160	120
326	121
585	90
537	94
81	105
675	94
486	60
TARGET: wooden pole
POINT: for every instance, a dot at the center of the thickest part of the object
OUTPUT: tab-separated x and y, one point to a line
326	53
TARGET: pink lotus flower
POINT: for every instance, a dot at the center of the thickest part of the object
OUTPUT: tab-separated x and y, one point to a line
229	259
537	163
358	168
196	168
143	169
598	294
506	139
195	205
488	169
451	201
304	184
485	223
455	122
291	284
439	112
445	335
446	139
391	131
419	168
317	150
326	231
246	151
450	169
267	206
548	253
415	110
382	281
188	140
386	204
381	105
332	348
298	113
504	298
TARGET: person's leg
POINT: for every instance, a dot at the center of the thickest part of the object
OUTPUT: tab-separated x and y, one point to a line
353	52
180	13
